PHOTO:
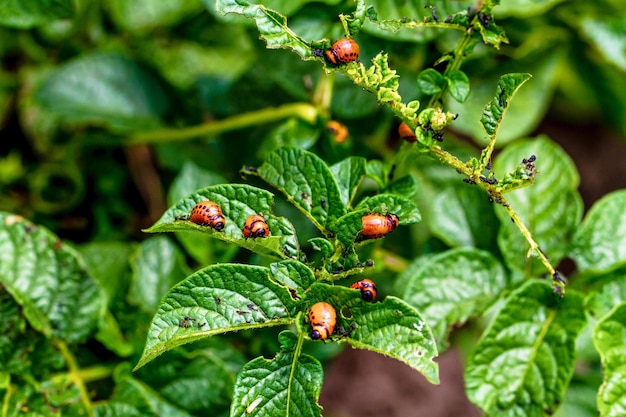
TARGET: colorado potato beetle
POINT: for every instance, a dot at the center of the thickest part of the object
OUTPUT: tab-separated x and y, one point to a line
256	227
343	51
323	318
208	213
338	130
367	287
406	133
377	225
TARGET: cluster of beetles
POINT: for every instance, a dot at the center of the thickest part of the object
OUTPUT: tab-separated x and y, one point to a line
322	316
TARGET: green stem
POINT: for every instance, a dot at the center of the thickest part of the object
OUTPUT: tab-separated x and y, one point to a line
534	246
75	376
94	373
304	111
457	59
391	261
296	355
7	399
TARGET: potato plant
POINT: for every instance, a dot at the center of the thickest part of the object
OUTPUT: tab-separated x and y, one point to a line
186	319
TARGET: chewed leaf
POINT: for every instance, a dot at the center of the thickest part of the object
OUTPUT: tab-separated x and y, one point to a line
412	342
405	209
237	202
525	360
293	275
287	385
214	300
391	327
271	24
493	113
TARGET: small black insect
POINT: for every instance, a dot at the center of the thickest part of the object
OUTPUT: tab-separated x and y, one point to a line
185	322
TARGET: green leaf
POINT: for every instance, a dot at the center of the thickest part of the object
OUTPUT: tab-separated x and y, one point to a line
115	409
600	242
404	21
551	208
12	336
190	178
187	63
48	280
525	359
461	215
293	275
451	287
172	375
145	15
430	81
271	24
104	89
107	263
349	174
377	171
609	336
288	385
292	132
405	209
406	186
523	113
217	299
136	394
494	111
27	14
157	266
237	202
391	327
606	34
613	292
524	8
306	181
458	85
322	245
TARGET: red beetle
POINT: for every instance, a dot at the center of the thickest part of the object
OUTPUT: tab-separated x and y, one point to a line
406	133
377	225
338	130
343	51
208	213
256	227
367	287
323	318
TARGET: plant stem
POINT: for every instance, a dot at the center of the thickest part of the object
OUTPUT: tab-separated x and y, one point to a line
458	55
75	376
534	246
304	111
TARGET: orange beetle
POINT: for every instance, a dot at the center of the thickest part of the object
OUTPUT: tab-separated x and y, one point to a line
256	227
343	51
367	287
338	130
323	318
377	225
208	213
406	133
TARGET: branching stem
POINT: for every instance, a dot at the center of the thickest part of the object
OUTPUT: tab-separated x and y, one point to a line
75	376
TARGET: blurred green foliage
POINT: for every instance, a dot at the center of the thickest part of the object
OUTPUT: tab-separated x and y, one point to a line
111	112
